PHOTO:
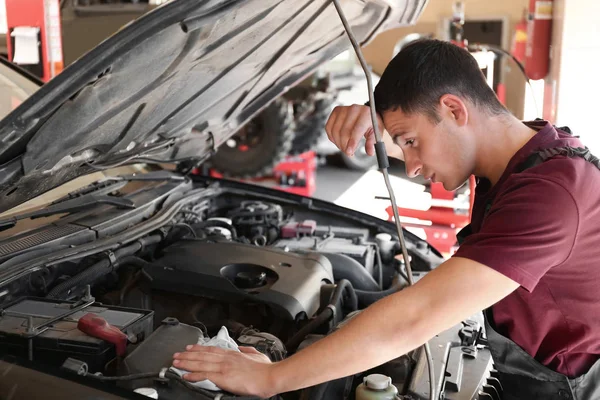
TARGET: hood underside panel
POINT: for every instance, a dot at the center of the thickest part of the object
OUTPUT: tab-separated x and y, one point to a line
175	84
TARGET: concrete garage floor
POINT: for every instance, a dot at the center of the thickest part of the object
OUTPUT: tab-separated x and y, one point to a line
357	190
333	179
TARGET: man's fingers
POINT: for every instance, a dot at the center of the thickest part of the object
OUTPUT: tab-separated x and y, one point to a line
370	137
199	356
361	126
198	366
249	350
370	143
347	125
336	129
195	377
207	349
331	122
198	376
350	129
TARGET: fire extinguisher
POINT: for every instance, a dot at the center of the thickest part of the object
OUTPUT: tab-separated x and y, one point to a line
539	34
519	43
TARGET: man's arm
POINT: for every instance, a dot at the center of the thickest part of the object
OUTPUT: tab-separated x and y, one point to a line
386	330
397	324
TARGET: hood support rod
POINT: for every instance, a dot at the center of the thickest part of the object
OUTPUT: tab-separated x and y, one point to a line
383	162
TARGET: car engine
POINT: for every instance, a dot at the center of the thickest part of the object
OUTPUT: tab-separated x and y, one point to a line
277	274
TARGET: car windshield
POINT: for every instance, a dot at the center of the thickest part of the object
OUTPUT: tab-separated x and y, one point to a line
14	89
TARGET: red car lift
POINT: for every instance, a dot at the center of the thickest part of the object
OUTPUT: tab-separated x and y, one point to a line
440	223
34	37
296	174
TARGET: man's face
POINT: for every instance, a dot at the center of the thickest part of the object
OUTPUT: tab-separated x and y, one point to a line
439	152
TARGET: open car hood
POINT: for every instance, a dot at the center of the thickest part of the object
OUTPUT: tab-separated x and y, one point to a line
175	84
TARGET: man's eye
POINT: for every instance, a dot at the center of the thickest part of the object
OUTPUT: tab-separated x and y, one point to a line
400	142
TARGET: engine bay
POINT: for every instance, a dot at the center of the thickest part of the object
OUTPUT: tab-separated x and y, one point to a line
110	293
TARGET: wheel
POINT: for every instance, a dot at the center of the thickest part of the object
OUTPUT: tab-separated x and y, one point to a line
259	146
310	117
360	161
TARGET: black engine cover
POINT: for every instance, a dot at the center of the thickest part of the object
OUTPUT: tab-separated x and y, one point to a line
289	283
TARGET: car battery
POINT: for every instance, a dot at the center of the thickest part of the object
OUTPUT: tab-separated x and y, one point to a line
46	330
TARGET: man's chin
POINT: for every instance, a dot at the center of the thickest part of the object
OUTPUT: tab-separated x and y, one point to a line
451	187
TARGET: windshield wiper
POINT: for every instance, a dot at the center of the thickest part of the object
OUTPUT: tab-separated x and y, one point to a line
68	206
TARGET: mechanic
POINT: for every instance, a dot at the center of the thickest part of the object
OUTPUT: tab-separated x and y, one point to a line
528	260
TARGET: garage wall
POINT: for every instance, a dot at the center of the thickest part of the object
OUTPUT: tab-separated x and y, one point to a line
379	52
573	84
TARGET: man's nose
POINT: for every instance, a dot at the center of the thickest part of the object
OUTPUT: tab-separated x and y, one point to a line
413	166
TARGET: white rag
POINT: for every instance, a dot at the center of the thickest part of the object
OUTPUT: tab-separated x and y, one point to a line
223	341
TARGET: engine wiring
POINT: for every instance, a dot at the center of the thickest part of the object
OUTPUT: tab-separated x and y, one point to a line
383	166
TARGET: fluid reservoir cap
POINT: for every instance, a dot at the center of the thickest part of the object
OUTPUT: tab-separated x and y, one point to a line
148	392
377	381
383	237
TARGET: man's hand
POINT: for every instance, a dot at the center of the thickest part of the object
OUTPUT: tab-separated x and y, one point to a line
245	373
347	125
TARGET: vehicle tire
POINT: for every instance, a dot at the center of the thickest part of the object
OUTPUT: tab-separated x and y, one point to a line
259	146
360	161
310	124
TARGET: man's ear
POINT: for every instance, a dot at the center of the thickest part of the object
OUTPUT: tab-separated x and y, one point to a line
455	109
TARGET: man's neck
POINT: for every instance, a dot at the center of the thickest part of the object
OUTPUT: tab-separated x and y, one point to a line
498	139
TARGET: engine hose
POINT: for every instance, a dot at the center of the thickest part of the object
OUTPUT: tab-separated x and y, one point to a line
134	261
131	282
345	267
151	240
132	377
135	277
366	298
90	274
324	316
101	268
341	286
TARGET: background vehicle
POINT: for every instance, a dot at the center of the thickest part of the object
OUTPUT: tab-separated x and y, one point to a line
296	123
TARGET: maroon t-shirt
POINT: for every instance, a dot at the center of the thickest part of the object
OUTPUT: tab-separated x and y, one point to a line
543	231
